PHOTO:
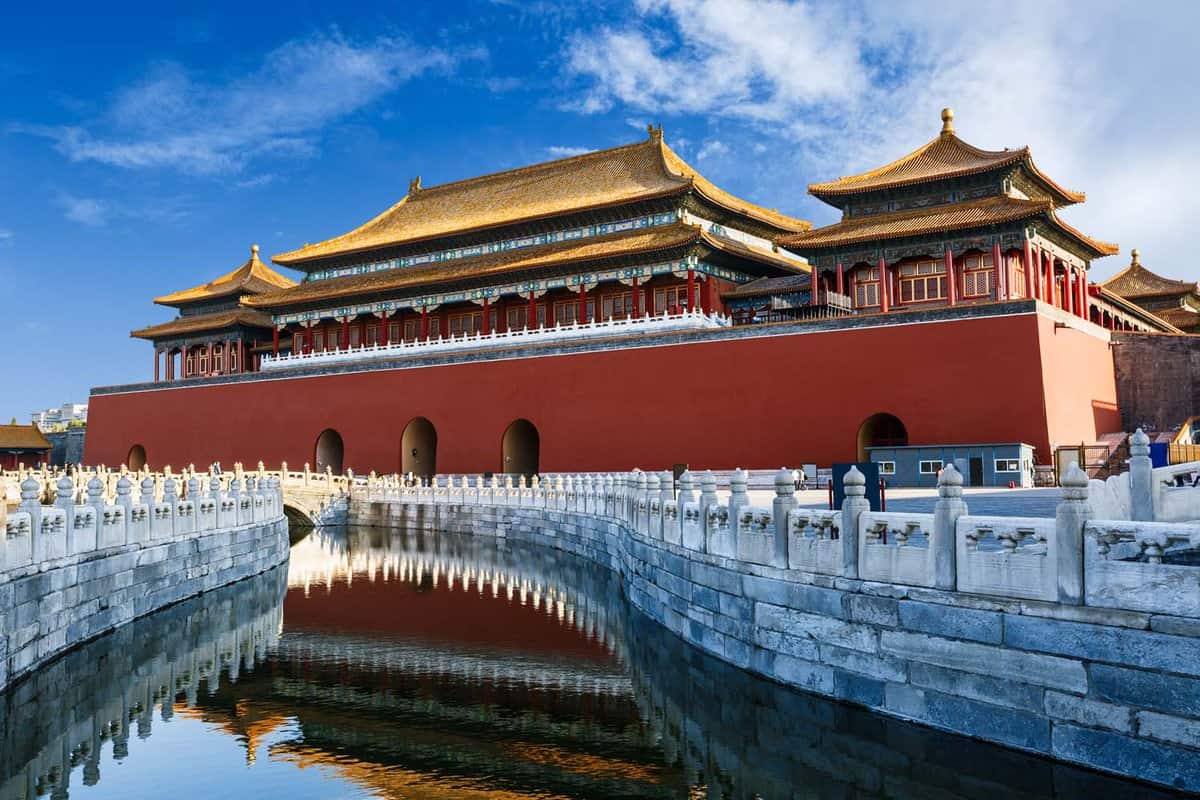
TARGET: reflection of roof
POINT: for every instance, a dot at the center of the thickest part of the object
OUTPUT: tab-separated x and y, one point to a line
780	284
250	278
626	243
947	156
639	171
952	216
22	437
1137	281
205	322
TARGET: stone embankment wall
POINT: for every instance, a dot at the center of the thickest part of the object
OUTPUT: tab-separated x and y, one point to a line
1113	689
99	557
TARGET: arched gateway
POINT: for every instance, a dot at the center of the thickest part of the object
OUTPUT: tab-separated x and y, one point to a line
520	448
137	458
418	448
881	430
329	452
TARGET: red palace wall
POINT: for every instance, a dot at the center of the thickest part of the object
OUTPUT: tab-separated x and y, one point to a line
755	402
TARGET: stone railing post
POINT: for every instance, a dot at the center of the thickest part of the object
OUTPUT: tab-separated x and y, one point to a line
193	488
666	483
31	502
785	501
708	497
124	494
148	492
854	505
1141	478
739	497
946	511
64	498
653	527
95	497
1069	518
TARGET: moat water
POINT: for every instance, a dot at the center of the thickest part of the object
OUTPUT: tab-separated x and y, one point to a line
400	665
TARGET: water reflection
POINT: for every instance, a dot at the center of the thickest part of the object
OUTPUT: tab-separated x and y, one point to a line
413	665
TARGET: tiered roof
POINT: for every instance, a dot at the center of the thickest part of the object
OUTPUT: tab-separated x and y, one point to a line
250	278
641	243
949	217
642	171
196	323
1137	281
946	156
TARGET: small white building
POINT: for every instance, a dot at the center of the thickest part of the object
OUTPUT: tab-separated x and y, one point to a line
67	413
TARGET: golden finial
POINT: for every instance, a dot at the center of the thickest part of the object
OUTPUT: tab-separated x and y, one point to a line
1135	262
254	251
947	121
414	185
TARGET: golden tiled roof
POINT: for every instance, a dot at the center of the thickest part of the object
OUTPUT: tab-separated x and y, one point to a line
949	217
1154	318
639	242
250	278
1183	318
205	322
946	156
22	437
773	285
639	171
1137	281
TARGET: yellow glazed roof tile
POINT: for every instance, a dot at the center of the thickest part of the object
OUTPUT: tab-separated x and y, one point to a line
252	277
205	322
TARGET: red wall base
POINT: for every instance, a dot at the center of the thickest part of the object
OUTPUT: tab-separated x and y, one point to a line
760	403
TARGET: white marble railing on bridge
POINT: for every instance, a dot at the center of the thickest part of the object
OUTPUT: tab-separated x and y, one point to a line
57	518
1069	559
660	323
1147	493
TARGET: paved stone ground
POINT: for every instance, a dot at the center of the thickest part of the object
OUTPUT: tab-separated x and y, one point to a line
984	501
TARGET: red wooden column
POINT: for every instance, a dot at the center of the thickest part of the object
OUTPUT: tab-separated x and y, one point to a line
1070	290
346	332
424	323
884	281
1048	285
951	279
841	280
382	338
1083	294
691	290
581	314
637	299
275	340
1029	271
183	362
487	317
815	282
531	323
156	366
998	271
308	336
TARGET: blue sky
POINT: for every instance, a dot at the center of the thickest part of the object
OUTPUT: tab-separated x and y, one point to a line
143	151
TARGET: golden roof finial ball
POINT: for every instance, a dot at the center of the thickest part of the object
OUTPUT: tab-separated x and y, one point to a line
947	120
254	250
1134	253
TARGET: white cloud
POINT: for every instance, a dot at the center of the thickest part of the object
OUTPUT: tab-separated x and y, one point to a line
6	237
713	148
556	151
173	118
84	210
1100	91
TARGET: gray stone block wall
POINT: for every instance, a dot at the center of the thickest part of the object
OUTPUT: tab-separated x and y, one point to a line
76	599
1115	691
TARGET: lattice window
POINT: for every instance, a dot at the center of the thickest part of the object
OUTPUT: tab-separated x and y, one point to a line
977	276
1016	277
866	287
922	280
468	323
617	305
518	316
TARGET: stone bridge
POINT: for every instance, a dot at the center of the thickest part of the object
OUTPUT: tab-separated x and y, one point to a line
1072	637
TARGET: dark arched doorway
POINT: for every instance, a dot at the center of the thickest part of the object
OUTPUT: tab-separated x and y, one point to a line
881	430
418	448
329	452
519	448
136	459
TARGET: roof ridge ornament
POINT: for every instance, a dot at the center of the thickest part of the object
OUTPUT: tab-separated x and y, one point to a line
253	251
1135	256
655	132
947	121
414	185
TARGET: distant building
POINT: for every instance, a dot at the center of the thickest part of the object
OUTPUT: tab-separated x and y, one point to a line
22	444
64	415
1177	302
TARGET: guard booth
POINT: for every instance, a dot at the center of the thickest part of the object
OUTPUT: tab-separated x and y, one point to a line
870	471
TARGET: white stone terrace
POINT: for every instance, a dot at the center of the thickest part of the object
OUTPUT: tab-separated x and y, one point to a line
557	334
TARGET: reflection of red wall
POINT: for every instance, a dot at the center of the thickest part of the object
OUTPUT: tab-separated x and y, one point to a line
761	402
463	618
